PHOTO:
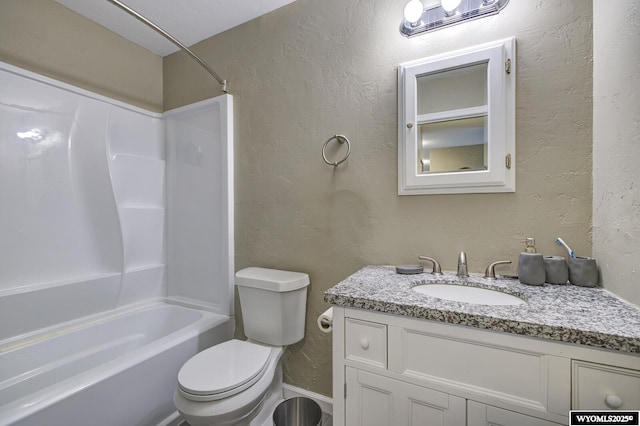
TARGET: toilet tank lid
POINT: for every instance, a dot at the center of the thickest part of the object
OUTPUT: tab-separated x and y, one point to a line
271	279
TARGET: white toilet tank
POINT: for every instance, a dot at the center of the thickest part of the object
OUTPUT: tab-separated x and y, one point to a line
273	304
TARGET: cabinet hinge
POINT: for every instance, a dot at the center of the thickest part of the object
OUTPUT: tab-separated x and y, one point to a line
507	66
345	391
507	161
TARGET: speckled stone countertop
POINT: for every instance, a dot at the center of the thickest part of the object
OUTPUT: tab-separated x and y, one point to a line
565	313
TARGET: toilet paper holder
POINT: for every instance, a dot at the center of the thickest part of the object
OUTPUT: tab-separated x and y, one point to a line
325	321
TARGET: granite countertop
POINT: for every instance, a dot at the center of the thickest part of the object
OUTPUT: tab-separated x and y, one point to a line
565	313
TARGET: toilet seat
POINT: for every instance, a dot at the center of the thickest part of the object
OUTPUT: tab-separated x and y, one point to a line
223	370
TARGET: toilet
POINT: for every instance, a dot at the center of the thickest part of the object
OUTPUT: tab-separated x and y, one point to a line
238	381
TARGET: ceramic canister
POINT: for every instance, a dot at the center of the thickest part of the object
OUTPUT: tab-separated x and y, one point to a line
531	268
583	271
555	270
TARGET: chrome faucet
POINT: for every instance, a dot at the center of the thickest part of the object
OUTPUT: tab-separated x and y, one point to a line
462	265
490	273
437	270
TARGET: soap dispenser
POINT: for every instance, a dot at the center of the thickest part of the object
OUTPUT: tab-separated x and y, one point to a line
531	265
530	245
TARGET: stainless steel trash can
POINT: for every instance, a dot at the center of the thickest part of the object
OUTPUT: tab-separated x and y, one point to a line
297	411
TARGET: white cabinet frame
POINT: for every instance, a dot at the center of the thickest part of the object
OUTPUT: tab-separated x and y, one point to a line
499	110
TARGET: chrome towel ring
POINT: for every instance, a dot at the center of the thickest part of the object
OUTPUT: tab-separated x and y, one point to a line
341	139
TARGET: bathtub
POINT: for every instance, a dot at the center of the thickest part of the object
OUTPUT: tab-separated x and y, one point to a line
116	369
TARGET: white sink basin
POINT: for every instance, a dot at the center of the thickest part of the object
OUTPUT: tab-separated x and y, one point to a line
467	294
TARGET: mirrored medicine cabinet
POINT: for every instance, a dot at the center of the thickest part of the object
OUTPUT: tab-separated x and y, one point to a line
456	121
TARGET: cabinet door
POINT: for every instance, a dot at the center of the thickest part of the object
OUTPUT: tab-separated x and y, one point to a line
486	415
374	400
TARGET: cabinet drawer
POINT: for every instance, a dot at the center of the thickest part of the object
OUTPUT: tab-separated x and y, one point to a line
365	342
602	387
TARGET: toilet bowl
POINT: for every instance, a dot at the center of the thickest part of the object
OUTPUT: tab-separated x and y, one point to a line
229	392
230	383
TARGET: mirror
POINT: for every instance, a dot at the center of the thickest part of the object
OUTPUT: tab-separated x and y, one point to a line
457	120
446	143
453	146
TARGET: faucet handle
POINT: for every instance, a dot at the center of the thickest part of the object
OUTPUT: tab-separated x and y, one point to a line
436	266
490	273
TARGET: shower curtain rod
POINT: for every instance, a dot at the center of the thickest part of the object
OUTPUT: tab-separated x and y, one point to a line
173	40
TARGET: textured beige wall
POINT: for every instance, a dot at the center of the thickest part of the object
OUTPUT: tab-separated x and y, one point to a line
47	38
316	68
616	145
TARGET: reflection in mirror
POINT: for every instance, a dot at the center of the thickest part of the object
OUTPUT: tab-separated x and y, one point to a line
452	89
453	145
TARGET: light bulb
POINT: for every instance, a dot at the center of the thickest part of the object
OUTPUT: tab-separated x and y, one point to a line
413	11
450	6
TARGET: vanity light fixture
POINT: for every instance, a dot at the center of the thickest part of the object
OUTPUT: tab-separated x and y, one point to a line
450	6
413	11
419	19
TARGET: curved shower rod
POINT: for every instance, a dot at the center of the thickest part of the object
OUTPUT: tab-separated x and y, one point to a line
173	40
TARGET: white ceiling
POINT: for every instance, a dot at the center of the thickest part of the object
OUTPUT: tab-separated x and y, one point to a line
190	21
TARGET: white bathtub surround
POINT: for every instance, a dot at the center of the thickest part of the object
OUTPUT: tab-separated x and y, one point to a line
200	202
91	316
55	302
84	177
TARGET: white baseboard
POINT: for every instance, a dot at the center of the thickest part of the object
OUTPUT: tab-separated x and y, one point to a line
326	403
175	419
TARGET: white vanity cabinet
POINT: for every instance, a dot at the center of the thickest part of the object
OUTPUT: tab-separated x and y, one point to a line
395	370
